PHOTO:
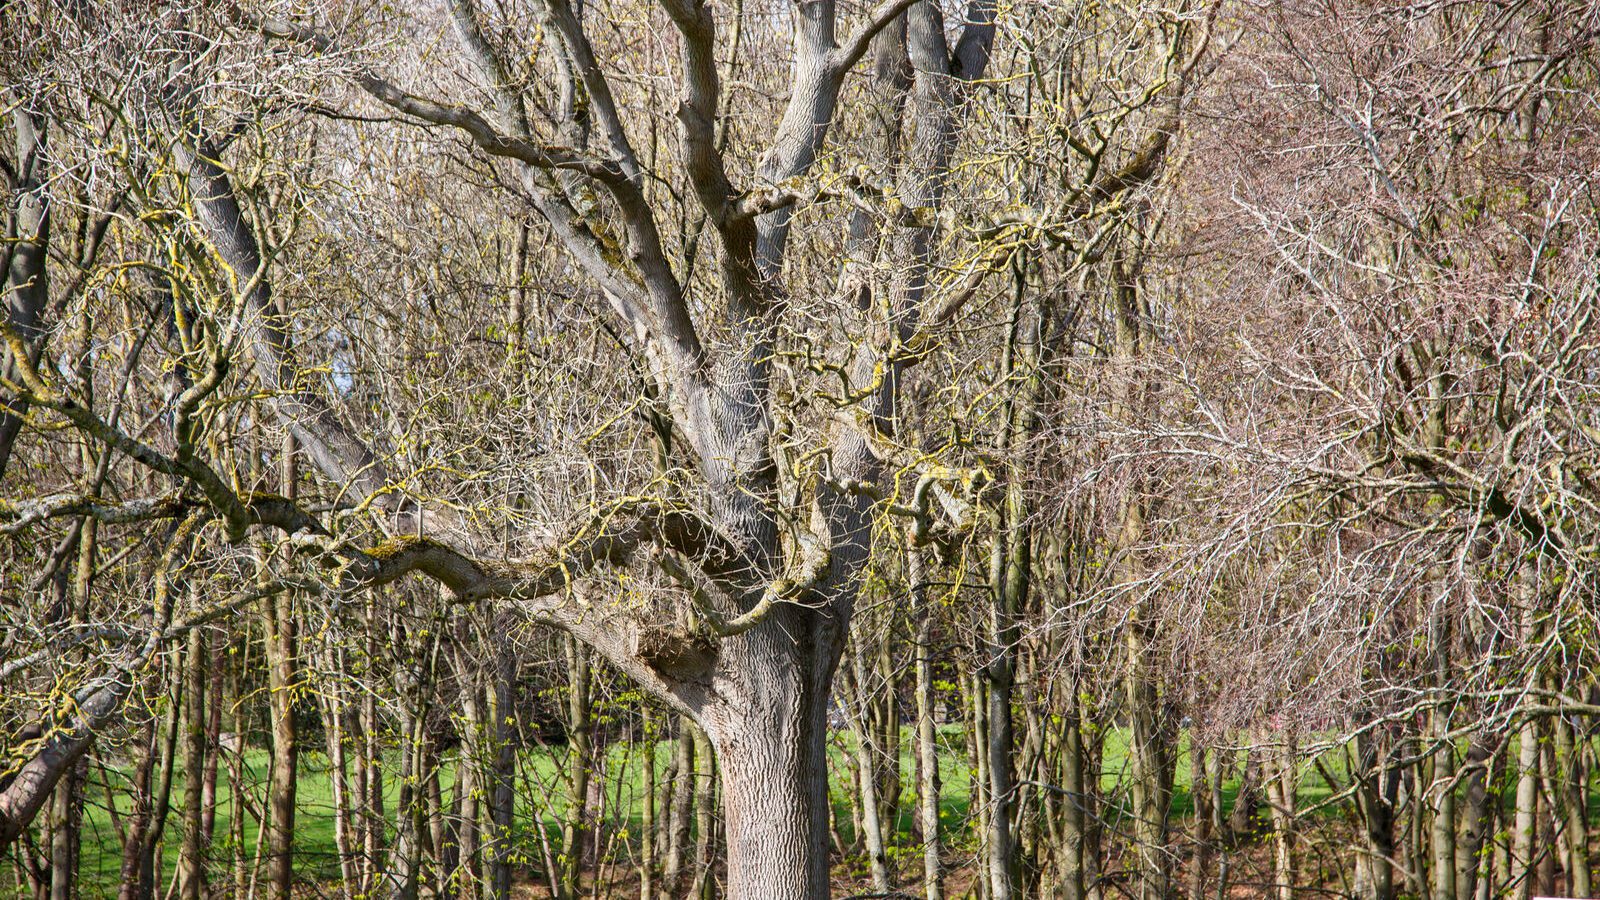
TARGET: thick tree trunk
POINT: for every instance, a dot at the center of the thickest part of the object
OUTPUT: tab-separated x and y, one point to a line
772	760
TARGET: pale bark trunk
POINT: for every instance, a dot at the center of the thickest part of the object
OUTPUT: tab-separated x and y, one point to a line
705	825
680	809
1443	834
334	715
1524	834
281	679
1282	791
66	820
1571	790
772	763
927	731
867	778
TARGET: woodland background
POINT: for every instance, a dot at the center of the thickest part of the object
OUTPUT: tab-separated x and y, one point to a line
1139	449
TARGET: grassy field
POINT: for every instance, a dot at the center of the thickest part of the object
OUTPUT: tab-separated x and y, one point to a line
539	790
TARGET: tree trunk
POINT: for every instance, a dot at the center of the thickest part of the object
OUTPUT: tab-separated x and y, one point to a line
867	776
1476	817
680	809
281	679
1443	835
1525	827
1202	791
1572	793
647	824
1282	794
500	785
927	731
1074	842
772	763
705	825
191	855
66	832
579	753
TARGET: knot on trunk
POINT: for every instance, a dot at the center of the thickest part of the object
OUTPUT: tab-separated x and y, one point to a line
674	651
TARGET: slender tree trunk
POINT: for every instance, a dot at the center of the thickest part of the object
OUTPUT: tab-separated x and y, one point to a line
867	777
927	731
141	863
1241	818
191	855
213	737
647	823
134	877
579	760
333	729
501	772
1571	789
705	826
66	832
678	821
1283	792
1202	791
1476	817
1443	835
1008	584
239	722
1525	827
282	682
979	796
1074	842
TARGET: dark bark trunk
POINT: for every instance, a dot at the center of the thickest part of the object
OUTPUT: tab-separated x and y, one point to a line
574	830
191	854
1203	793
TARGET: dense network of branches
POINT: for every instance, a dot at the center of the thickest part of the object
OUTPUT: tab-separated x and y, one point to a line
651	445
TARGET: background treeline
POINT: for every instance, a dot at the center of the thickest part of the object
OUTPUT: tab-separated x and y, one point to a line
1234	533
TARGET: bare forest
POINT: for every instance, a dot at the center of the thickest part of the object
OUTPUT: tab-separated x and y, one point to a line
799	448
